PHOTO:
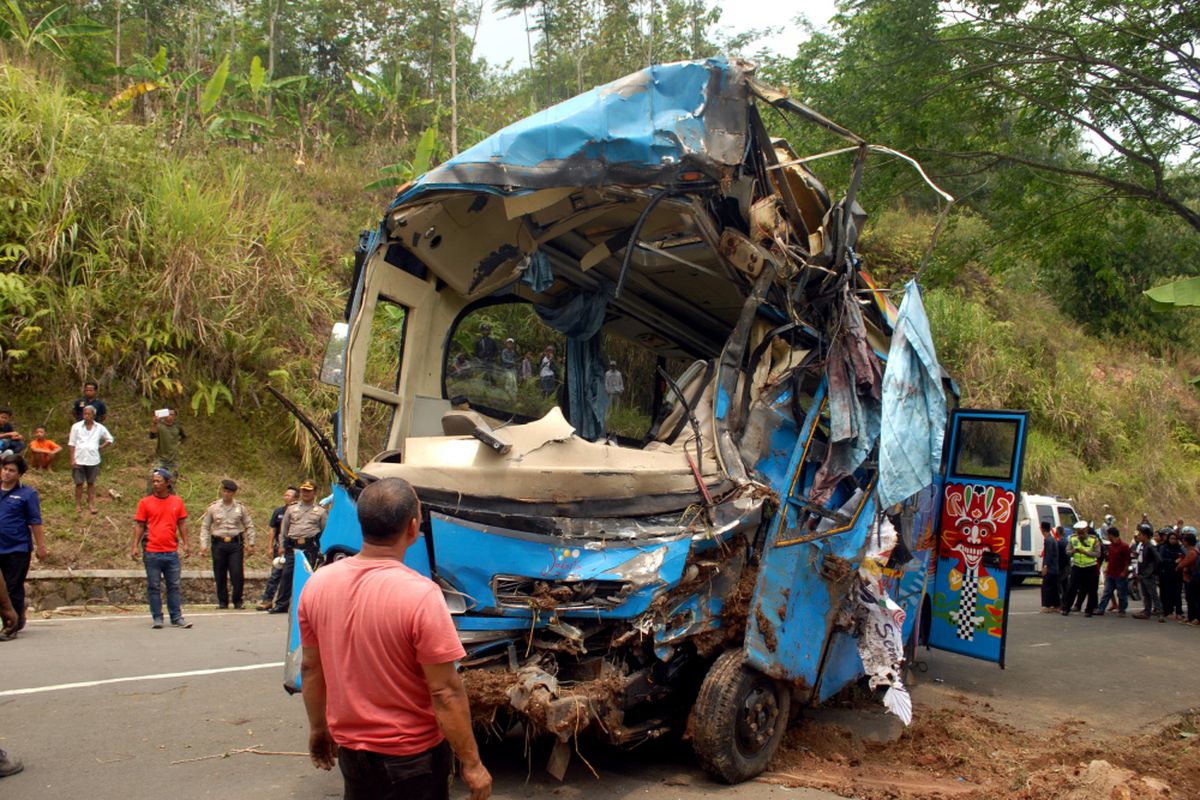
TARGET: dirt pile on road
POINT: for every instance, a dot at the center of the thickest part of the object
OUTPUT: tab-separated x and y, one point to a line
967	752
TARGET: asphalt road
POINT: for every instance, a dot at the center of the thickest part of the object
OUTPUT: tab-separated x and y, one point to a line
81	736
116	706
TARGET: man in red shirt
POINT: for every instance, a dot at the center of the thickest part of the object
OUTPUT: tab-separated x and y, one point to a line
378	676
161	521
1116	573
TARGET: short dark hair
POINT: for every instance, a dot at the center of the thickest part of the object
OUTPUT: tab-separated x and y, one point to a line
6	410
385	509
228	485
13	458
1046	526
292	489
92	384
1113	530
1190	538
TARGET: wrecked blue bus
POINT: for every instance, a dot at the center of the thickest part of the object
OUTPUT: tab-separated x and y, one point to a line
684	466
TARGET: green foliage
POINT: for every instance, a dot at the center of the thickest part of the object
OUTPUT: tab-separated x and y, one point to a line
402	172
213	89
209	395
48	33
1184	292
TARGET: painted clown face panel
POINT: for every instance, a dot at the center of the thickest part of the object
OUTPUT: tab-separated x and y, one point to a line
974	523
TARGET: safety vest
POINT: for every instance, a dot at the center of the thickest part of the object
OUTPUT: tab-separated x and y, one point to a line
1080	557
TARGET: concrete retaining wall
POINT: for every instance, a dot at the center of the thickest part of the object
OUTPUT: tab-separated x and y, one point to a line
48	589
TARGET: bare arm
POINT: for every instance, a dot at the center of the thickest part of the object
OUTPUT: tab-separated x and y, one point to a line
321	747
39	541
453	711
181	536
139	530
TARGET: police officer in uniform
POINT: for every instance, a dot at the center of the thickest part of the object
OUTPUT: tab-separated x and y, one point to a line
229	528
301	530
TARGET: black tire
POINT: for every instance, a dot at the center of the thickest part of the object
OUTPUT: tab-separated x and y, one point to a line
738	720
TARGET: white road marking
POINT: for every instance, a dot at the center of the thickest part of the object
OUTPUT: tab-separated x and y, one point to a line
131	678
1041	644
140	616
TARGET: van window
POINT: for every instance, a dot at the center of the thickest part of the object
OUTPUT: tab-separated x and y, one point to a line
1066	517
1045	514
1026	537
986	448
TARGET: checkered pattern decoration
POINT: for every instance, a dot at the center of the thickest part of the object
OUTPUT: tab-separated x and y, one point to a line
965	619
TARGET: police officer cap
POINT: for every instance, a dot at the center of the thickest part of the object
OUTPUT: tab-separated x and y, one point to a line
308	485
1081	525
228	485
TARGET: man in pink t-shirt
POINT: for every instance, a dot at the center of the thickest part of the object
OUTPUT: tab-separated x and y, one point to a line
380	686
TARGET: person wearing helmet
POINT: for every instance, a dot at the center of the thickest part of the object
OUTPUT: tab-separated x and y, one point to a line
1084	550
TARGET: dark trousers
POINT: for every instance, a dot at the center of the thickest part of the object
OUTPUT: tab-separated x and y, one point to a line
1050	591
268	595
1192	590
14	567
374	776
228	565
1172	593
1084	583
1064	585
284	598
1151	607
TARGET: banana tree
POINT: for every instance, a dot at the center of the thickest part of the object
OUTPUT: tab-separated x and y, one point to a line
47	33
1177	294
402	172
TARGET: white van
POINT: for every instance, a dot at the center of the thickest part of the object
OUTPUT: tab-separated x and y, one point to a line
1027	550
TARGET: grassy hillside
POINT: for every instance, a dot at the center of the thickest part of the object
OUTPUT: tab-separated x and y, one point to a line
176	271
1111	423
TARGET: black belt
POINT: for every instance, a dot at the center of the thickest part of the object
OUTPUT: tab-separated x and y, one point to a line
227	539
303	543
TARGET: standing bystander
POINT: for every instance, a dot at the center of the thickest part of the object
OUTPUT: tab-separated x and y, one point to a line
1084	550
1170	579
169	436
290	495
1116	569
21	532
1189	567
161	521
1050	599
228	527
1147	572
91	398
87	438
8	629
300	530
393	706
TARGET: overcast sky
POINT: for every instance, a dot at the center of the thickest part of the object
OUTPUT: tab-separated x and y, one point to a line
503	39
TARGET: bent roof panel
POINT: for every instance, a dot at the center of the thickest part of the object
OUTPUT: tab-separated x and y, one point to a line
640	130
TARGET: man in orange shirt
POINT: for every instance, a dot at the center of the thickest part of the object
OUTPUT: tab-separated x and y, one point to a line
42	451
378	675
161	521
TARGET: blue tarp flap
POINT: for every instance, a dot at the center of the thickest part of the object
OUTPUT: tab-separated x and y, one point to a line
579	319
640	130
538	274
914	406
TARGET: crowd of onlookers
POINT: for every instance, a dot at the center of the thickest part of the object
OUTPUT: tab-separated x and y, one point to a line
160	521
1161	567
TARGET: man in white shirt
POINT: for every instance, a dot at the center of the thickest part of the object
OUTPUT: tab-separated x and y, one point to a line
87	439
614	384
